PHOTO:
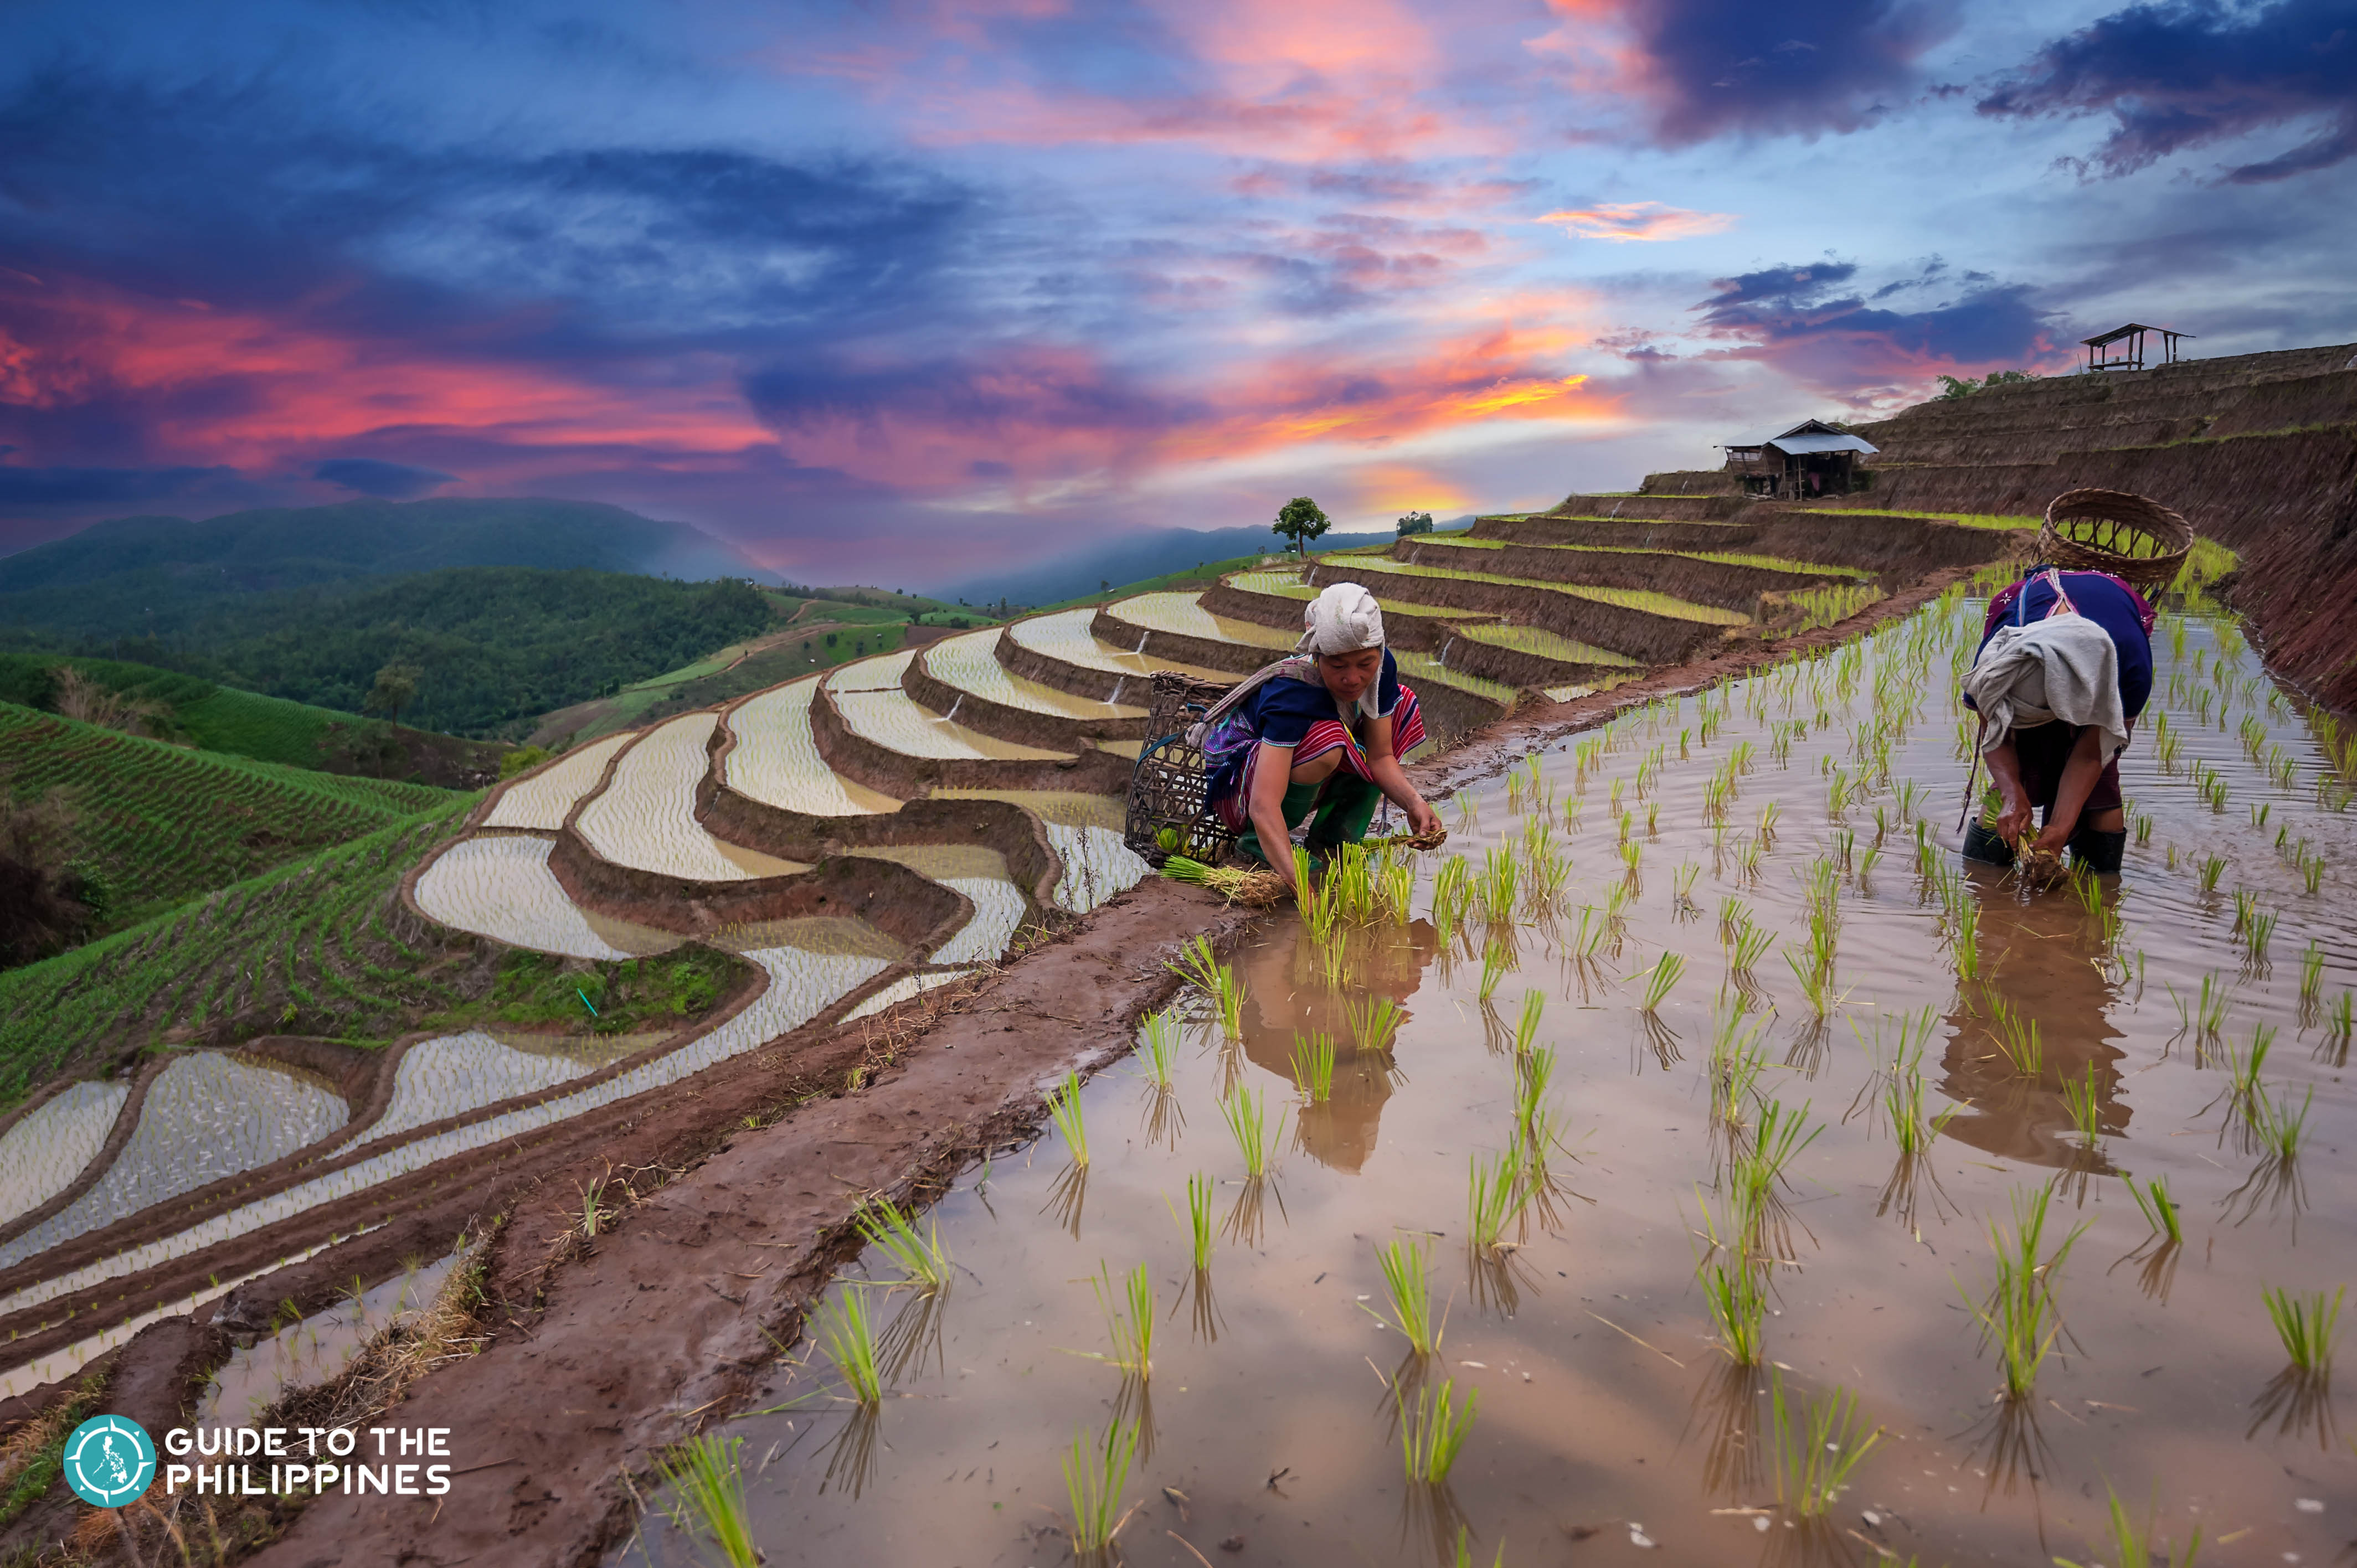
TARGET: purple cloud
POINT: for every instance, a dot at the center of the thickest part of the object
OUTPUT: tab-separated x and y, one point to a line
1720	66
2179	76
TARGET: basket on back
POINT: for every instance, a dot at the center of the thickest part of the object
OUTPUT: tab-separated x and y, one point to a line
1166	789
2140	541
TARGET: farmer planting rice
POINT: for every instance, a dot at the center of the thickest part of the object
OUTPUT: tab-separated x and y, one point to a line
1316	736
2063	671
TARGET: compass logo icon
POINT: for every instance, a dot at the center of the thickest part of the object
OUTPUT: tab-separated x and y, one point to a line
108	1461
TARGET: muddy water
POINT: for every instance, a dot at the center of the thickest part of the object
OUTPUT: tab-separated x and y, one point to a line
1609	1423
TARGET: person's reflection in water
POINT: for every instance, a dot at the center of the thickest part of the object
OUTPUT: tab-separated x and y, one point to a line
1284	996
2041	960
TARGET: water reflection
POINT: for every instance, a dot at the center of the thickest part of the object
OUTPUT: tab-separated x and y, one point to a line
1285	995
2043	948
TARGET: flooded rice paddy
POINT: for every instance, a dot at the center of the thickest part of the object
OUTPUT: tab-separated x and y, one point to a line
1771	865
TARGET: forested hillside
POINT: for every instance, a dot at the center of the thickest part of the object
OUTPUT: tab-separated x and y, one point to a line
100	830
166	704
484	648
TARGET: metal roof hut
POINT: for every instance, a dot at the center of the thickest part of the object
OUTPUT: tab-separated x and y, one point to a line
1813	458
2131	341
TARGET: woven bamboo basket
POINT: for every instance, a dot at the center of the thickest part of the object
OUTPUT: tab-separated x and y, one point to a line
1166	788
2140	541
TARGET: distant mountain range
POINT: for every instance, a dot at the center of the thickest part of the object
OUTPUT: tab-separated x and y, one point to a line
174	560
1136	556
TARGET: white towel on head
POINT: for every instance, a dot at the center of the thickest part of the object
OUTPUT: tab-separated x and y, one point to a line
2064	668
1343	618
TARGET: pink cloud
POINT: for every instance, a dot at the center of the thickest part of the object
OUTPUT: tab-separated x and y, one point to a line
1624	220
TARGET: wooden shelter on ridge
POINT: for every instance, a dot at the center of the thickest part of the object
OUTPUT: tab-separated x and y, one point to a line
2131	339
1813	458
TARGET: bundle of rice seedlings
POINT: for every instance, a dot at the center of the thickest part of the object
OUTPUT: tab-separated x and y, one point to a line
1254	890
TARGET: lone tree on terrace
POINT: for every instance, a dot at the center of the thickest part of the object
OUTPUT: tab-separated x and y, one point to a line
1415	522
395	688
1300	520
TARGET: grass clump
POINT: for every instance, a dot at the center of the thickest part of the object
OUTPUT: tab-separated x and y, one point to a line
1661	977
1433	1430
921	1258
1313	1067
2306	1325
1816	1452
1255	1139
2020	1314
1493	1197
848	1334
1094	1475
2158	1209
1064	1105
1407	1275
1159	1046
2134	1548
707	1484
1374	1021
1738	1307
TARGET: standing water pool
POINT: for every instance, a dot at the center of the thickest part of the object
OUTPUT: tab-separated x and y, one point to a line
1765	1087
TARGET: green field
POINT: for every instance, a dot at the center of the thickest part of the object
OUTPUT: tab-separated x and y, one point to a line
161	823
319	945
189	708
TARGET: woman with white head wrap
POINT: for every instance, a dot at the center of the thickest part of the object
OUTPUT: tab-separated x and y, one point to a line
1319	733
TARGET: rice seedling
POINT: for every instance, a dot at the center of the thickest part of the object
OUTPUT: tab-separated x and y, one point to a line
1732	913
2256	933
2274	1124
2085	1106
1526	1027
2242	1067
2211	867
1965	938
1407	1275
1064	1105
1738	1308
2020	1314
1495	886
1374	1021
921	1259
1313	1067
2017	1038
1767	825
1432	1431
1199	1188
1198	965
1815	1453
2134	1548
1816	986
2312	875
1094	1475
1452	887
706	1475
1247	1121
1661	977
1632	850
2158	1209
1736	1061
1129	1320
2306	1325
1534	1126
848	1334
1751	944
1493	1197
1496	959
1159	1046
2343	1021
1903	1098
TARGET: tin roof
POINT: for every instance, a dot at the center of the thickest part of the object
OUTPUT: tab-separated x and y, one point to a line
1794	446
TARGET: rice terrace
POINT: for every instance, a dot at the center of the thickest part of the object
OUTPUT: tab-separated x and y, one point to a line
979	1003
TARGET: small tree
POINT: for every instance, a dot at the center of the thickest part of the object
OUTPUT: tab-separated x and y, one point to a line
1415	522
1300	520
395	688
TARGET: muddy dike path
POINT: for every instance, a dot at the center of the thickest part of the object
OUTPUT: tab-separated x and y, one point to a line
595	1355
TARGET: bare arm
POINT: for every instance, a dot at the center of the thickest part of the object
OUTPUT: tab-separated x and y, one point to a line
2078	782
1272	775
1393	781
2013	801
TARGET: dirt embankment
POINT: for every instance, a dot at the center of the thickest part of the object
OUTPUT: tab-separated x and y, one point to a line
601	1354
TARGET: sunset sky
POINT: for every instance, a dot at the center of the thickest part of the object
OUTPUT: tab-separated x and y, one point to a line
915	289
